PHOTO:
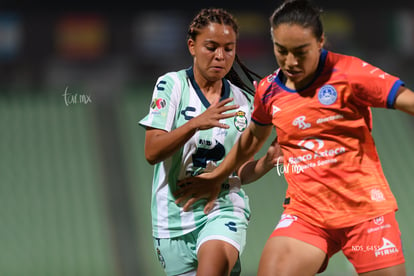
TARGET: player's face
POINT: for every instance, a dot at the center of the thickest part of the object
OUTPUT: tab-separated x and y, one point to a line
213	50
297	52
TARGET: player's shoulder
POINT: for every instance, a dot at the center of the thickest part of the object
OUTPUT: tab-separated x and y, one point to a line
346	61
266	82
172	80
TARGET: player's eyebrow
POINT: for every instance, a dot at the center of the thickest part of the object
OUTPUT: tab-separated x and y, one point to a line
215	42
296	48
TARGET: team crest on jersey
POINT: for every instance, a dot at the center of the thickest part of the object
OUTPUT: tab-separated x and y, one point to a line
158	103
240	121
327	95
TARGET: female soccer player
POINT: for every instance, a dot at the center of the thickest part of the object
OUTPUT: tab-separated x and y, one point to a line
196	116
337	196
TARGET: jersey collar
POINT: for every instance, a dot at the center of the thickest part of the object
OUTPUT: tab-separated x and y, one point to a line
225	88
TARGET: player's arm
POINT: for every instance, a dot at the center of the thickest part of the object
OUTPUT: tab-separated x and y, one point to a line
254	169
208	185
405	100
161	144
246	147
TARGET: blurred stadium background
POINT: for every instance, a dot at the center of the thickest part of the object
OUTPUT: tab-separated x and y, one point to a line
74	81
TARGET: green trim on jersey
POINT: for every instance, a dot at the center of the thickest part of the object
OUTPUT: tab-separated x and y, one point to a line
177	99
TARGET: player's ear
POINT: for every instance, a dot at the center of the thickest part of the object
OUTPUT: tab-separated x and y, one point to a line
321	42
191	46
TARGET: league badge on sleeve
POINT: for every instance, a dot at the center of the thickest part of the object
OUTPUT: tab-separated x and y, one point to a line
240	121
327	95
158	103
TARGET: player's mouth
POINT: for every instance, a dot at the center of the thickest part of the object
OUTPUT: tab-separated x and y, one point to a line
291	74
217	68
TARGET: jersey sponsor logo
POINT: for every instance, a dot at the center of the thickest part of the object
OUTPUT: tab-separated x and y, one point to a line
379	220
373	70
311	143
286	221
382	74
327	95
275	109
158	103
240	121
387	248
318	155
231	225
330	118
300	122
160	85
203	155
187	112
377	195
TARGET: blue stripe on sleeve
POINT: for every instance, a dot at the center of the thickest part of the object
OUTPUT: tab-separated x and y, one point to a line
393	93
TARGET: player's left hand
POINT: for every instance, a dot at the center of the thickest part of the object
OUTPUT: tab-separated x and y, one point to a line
195	188
274	154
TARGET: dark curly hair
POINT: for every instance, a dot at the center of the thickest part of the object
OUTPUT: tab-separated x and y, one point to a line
221	16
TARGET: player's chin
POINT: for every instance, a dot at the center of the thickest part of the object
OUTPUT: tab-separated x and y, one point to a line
215	78
217	73
294	76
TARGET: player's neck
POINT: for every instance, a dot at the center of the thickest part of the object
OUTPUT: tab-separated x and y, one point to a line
211	90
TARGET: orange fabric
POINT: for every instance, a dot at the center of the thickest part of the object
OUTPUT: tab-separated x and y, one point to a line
331	165
369	245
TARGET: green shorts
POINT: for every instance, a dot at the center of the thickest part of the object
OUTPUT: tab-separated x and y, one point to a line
179	255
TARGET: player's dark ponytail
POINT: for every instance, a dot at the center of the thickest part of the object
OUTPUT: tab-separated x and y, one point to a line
235	78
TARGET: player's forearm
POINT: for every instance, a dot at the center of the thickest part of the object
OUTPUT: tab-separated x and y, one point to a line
160	145
245	148
405	100
254	169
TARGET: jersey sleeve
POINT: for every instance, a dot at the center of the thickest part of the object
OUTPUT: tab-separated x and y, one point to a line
164	103
371	86
261	114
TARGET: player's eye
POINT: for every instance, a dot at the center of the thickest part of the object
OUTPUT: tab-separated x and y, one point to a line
300	54
211	48
282	51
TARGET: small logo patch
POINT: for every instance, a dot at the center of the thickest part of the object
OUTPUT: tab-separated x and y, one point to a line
240	121
387	248
232	226
286	221
379	220
327	95
158	103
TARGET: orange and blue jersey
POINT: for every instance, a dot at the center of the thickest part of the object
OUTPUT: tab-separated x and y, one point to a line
331	164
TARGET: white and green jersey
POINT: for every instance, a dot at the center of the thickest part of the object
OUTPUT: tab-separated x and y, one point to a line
176	99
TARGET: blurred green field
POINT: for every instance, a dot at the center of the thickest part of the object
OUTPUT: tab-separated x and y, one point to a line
56	218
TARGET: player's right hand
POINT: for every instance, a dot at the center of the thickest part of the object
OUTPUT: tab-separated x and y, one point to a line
213	116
